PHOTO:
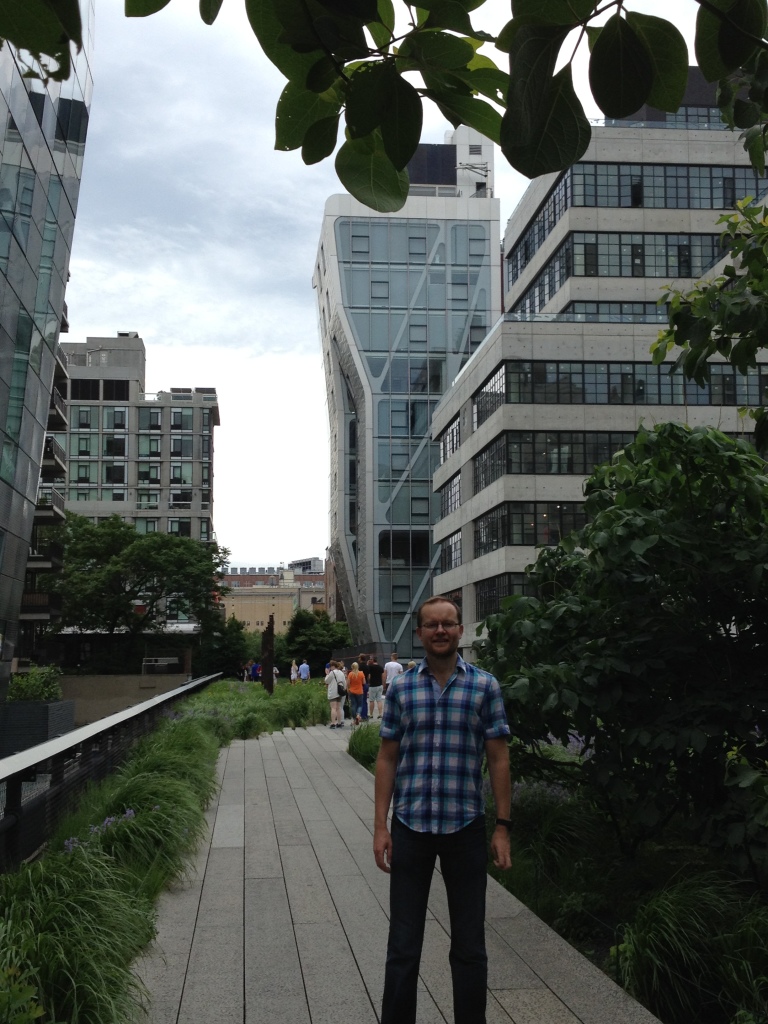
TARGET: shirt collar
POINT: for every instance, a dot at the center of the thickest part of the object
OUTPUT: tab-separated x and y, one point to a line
461	668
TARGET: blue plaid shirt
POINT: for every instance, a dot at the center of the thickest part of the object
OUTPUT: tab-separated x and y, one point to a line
442	734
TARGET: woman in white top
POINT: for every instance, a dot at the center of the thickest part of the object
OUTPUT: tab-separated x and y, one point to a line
332	680
294	672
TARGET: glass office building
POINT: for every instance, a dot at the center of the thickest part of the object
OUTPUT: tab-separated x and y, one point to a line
404	299
42	141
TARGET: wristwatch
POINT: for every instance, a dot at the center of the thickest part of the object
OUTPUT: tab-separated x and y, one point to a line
505	822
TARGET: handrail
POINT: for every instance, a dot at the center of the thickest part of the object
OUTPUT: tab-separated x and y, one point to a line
38	785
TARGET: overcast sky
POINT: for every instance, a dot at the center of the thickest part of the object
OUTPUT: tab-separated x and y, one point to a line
194	232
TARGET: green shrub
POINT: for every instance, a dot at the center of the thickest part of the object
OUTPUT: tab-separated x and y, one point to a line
88	928
18	984
41	682
698	950
364	745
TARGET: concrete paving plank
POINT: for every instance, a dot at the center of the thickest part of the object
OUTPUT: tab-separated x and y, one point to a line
228	829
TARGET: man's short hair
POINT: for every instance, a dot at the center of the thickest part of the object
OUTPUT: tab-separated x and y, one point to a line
436	600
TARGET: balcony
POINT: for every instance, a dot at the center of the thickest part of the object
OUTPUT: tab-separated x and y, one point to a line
57	412
54	460
49	558
37	606
49	507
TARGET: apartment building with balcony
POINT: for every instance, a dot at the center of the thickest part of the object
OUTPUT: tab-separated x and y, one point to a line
565	377
43	128
403	300
145	457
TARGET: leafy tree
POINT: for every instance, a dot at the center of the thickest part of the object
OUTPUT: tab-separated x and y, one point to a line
314	637
223	648
115	580
350	58
646	644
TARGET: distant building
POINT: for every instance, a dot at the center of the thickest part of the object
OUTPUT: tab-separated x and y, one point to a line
254	596
404	299
145	457
42	143
564	380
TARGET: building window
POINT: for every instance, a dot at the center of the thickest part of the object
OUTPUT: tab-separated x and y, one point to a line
150	447
149	472
143	526
181	447
450	552
114	419
491	592
116	391
114	474
180	527
114	447
150	419
526	523
379	289
181	473
450	496
489	398
450	440
84	390
81	417
361	243
148	499
181	419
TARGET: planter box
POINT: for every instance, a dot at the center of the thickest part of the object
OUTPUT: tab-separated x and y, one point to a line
25	723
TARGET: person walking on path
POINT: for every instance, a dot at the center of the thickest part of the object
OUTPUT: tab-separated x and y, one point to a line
362	661
375	687
355	680
391	669
440	720
304	671
294	672
333	681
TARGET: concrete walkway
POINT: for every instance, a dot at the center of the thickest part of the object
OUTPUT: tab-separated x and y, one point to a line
284	919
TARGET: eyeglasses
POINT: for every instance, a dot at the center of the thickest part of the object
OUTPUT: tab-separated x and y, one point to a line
432	626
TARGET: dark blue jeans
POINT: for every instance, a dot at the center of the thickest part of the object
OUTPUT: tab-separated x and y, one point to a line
356	702
463	860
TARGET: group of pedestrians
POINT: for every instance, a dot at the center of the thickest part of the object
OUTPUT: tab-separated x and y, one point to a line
365	683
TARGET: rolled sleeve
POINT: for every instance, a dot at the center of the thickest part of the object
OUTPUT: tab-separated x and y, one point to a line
494	716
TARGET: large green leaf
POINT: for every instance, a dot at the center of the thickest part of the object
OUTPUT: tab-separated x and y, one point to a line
364	10
722	45
35	26
368	90
437	50
320	140
620	69
491	82
556	139
268	29
401	122
382	29
209	10
668	53
554	12
449	14
68	13
532	57
142	8
471	111
368	174
297	110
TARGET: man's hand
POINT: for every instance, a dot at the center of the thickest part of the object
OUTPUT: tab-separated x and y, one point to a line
382	848
502	858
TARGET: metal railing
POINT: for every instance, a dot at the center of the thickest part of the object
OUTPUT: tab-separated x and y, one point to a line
40	785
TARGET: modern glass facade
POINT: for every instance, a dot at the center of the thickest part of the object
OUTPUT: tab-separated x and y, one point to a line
42	141
408	299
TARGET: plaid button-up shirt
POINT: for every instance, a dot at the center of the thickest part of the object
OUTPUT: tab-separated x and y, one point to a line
442	734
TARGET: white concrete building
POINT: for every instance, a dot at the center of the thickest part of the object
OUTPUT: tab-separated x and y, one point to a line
565	378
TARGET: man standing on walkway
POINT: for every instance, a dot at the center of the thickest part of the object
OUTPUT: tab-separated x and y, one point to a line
375	687
304	671
441	718
391	669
